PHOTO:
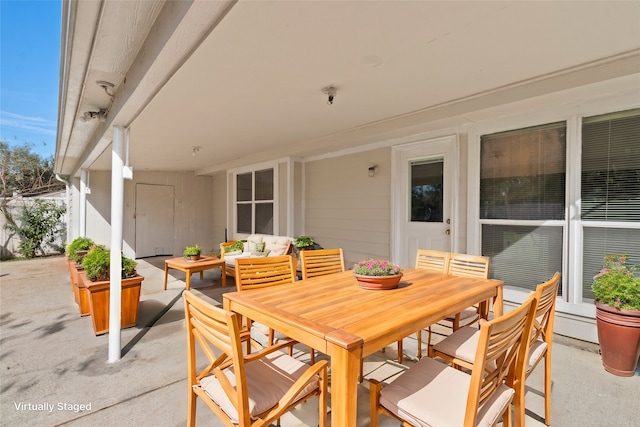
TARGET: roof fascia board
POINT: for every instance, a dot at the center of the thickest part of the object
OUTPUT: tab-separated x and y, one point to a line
78	21
177	32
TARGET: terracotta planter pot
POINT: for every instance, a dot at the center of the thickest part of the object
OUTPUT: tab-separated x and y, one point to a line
80	292
98	296
72	275
619	337
378	282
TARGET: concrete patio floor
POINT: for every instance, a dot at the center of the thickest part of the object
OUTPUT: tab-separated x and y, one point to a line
54	370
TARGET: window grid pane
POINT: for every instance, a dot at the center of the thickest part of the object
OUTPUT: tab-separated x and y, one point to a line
610	184
264	218
523	256
426	191
599	242
243	220
243	188
264	184
522	174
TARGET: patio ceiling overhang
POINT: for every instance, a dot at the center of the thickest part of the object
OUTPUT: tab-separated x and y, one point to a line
243	80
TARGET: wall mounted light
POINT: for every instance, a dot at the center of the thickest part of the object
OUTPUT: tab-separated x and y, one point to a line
195	150
372	170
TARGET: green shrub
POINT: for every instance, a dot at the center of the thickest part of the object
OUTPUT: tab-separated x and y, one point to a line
79	244
97	265
37	225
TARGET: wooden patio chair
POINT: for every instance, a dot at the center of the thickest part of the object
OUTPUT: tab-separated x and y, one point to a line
432	393
463	265
432	260
261	272
321	262
459	347
249	390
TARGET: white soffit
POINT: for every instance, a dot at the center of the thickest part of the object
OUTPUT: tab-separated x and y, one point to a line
252	90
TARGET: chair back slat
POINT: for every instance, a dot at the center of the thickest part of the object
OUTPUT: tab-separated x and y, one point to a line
546	293
253	273
464	265
500	355
427	259
321	262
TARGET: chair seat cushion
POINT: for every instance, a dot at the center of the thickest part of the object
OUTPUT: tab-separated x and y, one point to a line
461	344
537	350
268	379
431	393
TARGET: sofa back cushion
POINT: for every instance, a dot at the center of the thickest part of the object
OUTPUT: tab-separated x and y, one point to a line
276	245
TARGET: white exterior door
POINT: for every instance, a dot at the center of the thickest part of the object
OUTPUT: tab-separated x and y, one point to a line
154	220
423	189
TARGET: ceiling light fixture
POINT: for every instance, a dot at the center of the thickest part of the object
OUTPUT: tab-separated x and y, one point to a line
330	91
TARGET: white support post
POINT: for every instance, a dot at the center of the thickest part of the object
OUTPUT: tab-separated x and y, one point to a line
84	178
117	209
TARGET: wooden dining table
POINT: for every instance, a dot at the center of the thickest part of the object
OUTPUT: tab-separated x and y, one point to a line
333	315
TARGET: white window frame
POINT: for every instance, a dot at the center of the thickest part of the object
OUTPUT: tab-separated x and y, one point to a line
234	187
572	113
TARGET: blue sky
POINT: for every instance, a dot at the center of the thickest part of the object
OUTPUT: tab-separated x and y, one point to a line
29	73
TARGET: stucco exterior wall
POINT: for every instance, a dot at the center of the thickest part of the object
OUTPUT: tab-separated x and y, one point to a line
193	205
345	208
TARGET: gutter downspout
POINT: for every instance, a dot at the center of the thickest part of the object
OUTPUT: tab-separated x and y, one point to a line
84	189
67	188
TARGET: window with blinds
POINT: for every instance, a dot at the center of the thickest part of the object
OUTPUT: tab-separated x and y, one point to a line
522	183
523	256
611	167
610	191
522	173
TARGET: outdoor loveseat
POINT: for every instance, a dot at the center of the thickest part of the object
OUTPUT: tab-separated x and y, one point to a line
256	245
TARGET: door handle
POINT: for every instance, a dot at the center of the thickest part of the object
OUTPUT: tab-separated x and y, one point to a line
447	231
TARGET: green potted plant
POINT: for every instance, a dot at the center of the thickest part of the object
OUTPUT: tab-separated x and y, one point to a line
192	252
616	289
304	242
377	274
76	250
96	280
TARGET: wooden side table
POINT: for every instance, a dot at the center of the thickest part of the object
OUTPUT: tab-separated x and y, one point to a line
198	266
